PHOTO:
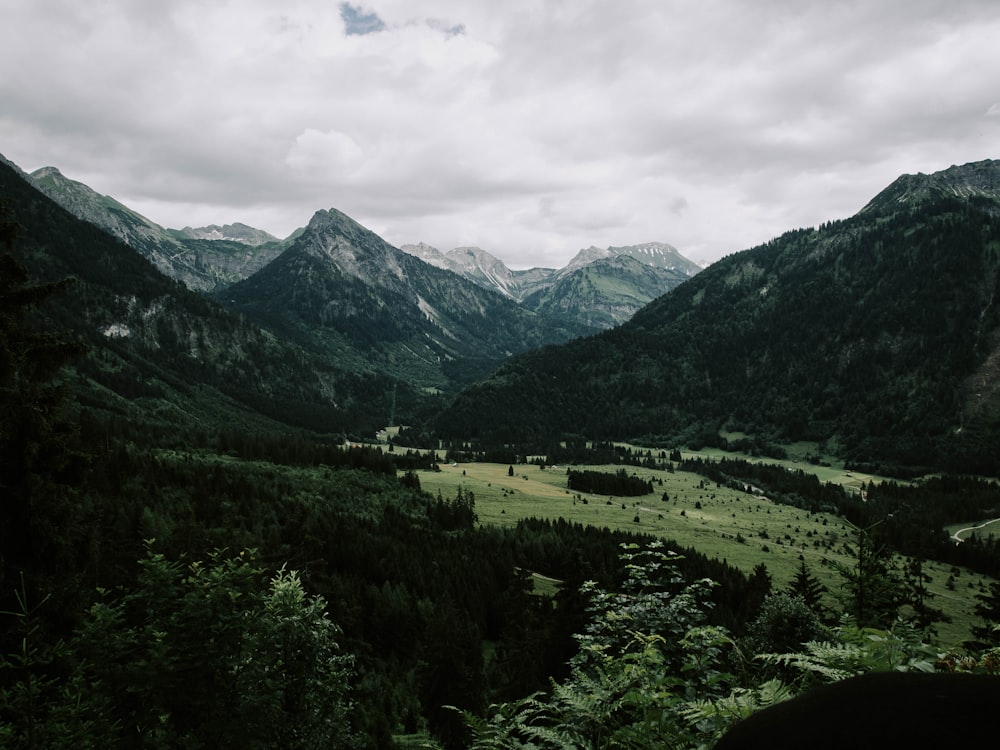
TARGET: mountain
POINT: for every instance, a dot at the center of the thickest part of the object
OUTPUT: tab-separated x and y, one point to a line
165	357
877	336
343	292
978	182
232	232
209	259
203	259
598	288
603	288
482	268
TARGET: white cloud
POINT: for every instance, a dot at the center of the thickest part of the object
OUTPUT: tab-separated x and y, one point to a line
318	154
530	129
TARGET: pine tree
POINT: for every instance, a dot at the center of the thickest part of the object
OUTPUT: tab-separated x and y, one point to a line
808	587
918	596
874	591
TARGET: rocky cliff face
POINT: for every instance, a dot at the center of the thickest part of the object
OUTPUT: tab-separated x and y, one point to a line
103	211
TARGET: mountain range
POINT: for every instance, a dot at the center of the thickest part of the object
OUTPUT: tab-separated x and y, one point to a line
597	289
372	328
875	337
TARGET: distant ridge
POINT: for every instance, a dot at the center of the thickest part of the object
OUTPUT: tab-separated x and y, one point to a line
598	288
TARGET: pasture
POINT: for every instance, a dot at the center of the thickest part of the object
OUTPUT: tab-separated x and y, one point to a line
739	527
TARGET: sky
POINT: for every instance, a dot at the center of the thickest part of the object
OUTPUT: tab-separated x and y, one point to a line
529	128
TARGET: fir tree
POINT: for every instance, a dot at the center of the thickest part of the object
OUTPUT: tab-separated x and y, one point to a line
808	587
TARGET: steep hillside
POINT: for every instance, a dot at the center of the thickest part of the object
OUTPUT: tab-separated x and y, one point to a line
878	334
163	356
343	292
203	259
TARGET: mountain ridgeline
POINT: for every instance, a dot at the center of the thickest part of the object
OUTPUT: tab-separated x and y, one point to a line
599	288
345	293
204	259
878	335
363	306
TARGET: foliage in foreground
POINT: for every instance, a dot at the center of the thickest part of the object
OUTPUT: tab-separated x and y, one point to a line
209	654
650	673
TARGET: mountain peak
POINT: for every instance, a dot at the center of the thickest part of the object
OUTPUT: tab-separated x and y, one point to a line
353	248
46	172
236	232
977	179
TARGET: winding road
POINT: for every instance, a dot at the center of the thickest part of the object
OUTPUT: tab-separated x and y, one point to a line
957	535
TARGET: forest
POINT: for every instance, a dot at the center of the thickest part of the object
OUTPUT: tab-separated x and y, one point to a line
861	333
241	588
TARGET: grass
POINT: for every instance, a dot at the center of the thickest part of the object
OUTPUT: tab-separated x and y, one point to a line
737	527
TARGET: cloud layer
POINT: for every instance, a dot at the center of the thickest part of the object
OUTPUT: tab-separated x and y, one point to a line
531	129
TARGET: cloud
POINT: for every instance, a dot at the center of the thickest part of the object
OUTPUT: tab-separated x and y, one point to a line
316	154
529	129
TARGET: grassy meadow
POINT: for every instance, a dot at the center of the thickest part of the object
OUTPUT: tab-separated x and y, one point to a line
738	527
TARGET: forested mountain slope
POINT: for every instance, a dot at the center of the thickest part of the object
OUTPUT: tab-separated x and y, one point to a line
160	354
878	334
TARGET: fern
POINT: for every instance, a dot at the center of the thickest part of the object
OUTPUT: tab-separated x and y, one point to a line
859	650
714	717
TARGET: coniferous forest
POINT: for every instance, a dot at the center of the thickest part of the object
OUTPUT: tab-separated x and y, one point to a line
181	569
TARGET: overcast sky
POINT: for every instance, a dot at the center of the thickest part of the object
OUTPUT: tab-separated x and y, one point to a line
530	128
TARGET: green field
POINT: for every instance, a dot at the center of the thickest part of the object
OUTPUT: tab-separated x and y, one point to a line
738	527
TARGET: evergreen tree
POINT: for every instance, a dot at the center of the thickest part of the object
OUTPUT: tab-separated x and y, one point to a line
806	586
918	596
874	590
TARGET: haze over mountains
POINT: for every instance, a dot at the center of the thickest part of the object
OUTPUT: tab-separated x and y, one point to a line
876	336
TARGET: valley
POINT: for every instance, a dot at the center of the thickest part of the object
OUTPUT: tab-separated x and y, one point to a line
190	487
742	529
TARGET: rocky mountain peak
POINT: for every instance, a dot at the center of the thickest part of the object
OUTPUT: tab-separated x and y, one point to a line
236	232
585	257
46	172
352	248
977	179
